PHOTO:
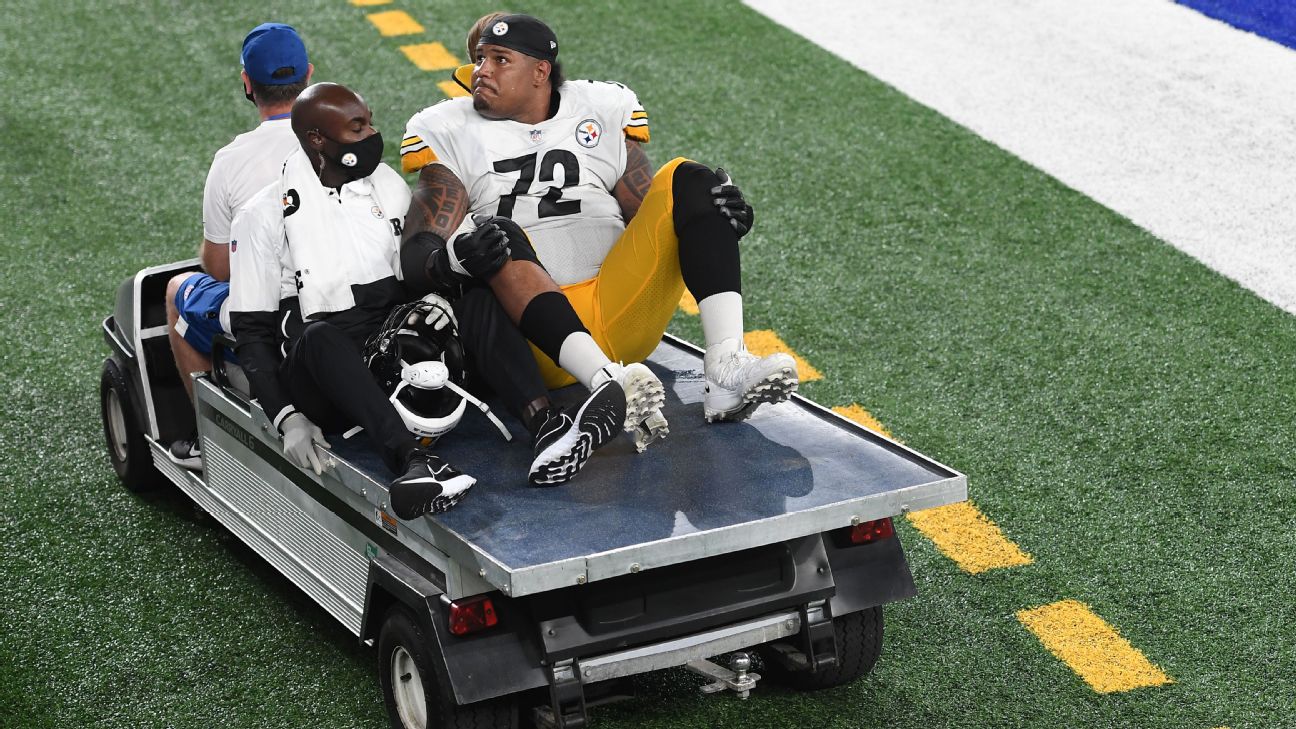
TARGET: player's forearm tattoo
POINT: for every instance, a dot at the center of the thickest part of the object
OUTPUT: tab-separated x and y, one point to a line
439	203
633	186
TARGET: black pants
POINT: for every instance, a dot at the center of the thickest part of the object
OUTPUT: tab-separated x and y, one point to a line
498	354
326	379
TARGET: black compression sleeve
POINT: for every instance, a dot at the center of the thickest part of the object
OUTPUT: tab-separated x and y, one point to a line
548	320
708	245
425	265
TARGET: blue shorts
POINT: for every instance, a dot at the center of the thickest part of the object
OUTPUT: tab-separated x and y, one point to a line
199	302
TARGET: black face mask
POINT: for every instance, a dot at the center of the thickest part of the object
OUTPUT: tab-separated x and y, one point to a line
357	159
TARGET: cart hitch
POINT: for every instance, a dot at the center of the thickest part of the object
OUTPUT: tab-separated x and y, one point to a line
818	638
566	698
737	678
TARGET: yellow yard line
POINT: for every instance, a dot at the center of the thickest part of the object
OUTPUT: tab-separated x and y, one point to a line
968	537
765	342
395	22
688	304
430	56
864	418
960	531
1091	647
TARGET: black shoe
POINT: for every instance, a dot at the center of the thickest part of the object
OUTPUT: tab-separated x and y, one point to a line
186	453
428	486
565	440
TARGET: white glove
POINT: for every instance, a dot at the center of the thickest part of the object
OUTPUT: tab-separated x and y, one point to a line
299	438
439	316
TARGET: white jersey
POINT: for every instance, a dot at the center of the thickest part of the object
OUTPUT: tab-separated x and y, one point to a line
324	253
239	170
298	238
555	178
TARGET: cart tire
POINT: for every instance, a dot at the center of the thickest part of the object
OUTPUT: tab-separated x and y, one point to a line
416	694
859	643
128	448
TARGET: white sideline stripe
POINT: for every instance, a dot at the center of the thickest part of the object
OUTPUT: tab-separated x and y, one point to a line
1181	123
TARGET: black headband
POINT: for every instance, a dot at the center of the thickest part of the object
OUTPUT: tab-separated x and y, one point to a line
523	34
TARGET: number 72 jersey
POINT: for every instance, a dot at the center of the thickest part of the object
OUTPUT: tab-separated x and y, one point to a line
555	178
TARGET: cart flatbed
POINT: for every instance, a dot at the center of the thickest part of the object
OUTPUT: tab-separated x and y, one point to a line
791	469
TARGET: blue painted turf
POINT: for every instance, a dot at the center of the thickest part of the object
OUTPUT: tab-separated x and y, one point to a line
1272	19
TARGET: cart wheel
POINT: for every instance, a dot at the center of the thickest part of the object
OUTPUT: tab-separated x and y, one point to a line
418	698
127	446
859	643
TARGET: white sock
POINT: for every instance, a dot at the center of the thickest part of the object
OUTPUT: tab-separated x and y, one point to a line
581	356
722	317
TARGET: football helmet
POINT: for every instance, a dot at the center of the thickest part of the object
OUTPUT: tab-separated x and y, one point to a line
422	369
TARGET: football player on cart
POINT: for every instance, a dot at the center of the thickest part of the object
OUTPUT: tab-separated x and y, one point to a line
564	161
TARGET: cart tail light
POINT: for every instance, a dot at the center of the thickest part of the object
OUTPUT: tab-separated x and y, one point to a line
472	614
872	531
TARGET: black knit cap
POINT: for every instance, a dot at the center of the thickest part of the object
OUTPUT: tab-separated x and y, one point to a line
523	34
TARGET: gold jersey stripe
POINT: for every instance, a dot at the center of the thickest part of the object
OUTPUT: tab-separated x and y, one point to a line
641	114
415	161
638	133
463	77
451	89
407	141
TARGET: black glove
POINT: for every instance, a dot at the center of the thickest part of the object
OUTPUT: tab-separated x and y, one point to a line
730	202
483	251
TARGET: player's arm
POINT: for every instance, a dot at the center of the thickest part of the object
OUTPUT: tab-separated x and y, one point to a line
214	258
218	220
631	189
438	206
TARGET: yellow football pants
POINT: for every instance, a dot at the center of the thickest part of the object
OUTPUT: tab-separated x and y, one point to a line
627	306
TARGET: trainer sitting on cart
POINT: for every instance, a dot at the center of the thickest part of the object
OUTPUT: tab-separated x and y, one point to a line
275	71
313	272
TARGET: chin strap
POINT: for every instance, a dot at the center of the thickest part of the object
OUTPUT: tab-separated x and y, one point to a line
482	407
468	397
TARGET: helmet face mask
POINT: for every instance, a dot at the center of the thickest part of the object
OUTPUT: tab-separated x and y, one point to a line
419	367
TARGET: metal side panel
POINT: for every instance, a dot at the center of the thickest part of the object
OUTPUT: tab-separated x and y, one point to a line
303	546
347	501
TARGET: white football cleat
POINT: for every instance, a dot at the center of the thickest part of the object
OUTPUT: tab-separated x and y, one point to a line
645	396
737	380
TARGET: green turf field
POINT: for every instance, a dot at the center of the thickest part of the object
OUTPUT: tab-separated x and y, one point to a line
1121	412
